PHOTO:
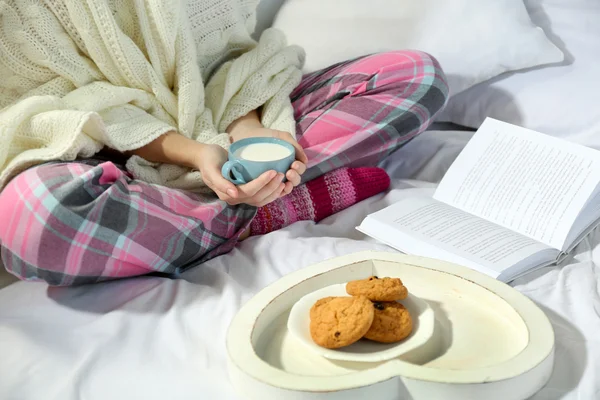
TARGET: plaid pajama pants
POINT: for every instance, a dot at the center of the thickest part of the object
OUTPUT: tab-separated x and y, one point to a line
69	223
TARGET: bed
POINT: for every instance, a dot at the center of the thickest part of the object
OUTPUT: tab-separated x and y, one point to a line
155	338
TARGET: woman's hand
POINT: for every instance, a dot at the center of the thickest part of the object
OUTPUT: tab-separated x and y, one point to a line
259	192
249	126
297	168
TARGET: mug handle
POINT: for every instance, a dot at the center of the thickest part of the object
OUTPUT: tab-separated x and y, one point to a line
231	168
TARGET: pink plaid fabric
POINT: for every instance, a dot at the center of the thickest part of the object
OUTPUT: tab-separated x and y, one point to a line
89	220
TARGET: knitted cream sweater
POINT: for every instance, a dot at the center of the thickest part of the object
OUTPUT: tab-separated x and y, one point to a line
77	75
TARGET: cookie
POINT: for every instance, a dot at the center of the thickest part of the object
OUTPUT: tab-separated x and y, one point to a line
392	323
378	289
318	305
337	322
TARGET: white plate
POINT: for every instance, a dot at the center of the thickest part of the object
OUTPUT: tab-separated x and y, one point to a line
363	350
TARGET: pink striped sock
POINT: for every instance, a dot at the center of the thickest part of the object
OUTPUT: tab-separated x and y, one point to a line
320	198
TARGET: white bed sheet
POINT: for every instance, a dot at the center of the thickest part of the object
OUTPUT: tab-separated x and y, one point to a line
152	338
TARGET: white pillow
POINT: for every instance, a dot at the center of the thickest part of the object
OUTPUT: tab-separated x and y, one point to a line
265	14
474	40
561	101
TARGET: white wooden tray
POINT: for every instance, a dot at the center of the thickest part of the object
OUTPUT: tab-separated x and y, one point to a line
490	341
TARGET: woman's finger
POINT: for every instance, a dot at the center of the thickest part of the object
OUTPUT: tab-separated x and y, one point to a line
249	189
275	185
288	189
293	177
226	198
300	154
299	167
273	196
214	179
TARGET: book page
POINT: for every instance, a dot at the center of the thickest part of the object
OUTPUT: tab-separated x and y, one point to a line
528	182
450	234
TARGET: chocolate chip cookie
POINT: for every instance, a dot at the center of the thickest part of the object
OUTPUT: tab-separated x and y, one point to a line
392	323
378	289
337	322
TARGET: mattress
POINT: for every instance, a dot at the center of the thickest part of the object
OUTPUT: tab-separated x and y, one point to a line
154	338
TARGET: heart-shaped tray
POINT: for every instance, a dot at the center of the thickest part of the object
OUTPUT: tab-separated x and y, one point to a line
492	342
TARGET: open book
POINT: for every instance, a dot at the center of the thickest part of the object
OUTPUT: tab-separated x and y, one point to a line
514	200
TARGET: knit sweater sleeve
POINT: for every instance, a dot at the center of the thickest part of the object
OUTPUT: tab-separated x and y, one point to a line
46	127
263	76
131	118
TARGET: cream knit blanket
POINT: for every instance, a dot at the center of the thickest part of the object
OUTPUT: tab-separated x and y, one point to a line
78	75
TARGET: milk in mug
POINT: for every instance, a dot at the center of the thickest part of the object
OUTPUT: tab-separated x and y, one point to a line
262	152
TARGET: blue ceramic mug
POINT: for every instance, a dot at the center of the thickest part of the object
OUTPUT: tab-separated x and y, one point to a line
248	163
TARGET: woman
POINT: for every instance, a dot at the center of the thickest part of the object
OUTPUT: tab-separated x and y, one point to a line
117	116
